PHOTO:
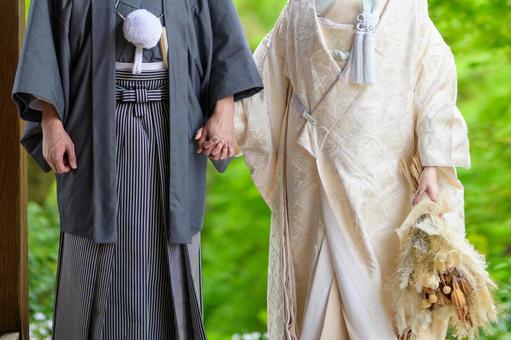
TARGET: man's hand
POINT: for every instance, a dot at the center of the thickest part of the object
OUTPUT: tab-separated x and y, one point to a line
58	149
428	183
216	139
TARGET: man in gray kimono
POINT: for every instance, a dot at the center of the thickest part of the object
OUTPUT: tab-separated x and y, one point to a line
65	89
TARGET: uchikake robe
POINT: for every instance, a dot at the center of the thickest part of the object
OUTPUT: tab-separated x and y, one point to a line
325	154
68	59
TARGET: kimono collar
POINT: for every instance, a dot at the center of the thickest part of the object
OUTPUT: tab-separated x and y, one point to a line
309	59
362	63
103	106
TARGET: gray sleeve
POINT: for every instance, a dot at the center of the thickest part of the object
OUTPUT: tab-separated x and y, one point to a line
43	62
43	71
32	142
37	103
233	71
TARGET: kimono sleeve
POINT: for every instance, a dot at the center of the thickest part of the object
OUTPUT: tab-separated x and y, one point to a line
233	72
441	129
42	72
260	118
42	63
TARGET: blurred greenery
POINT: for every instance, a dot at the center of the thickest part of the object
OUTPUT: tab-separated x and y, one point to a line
235	239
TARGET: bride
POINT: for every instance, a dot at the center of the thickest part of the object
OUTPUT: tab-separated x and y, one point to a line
351	89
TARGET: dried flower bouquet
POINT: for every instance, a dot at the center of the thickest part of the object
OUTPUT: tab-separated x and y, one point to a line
440	274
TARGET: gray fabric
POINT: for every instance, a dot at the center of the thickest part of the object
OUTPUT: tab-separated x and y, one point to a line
84	288
142	287
82	282
209	59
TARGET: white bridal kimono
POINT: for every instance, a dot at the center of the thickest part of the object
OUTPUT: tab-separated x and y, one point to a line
325	153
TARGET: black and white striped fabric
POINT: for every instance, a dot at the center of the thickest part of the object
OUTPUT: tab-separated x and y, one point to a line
142	287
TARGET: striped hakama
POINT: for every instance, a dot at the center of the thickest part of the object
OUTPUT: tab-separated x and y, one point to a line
141	287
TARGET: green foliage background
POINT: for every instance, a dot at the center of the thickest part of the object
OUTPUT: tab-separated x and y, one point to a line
237	220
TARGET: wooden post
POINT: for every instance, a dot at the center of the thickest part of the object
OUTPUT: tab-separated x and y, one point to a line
13	187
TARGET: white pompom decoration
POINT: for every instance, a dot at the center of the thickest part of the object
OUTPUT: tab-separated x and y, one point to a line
143	29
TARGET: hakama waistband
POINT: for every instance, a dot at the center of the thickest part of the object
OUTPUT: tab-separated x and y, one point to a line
141	89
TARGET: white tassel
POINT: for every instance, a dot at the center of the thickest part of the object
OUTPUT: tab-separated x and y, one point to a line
369	74
362	55
356	58
137	63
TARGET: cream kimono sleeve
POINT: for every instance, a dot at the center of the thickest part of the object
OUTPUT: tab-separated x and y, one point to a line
441	129
259	119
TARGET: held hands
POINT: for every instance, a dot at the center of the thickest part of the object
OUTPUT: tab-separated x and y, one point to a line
58	149
428	183
216	138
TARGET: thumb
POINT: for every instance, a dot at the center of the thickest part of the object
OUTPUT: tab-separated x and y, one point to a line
198	135
418	194
433	194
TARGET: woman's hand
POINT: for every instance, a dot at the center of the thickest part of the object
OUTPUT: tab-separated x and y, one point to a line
428	183
216	139
58	149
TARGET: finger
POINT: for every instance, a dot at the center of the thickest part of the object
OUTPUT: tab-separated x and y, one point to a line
209	151
198	135
420	191
58	160
208	145
48	160
416	199
433	194
215	154
207	148
60	166
202	139
418	196
225	152
217	150
211	142
71	156
231	151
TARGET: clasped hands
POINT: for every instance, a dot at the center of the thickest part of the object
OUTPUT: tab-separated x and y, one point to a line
216	138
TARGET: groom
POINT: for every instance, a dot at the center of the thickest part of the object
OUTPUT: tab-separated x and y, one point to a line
68	62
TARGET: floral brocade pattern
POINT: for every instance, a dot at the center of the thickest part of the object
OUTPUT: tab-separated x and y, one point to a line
349	141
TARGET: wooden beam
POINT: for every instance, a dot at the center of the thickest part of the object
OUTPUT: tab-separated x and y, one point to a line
13	187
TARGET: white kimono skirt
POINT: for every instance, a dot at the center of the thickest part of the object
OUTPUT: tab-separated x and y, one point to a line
325	153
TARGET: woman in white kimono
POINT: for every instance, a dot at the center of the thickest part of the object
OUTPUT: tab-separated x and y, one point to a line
343	105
